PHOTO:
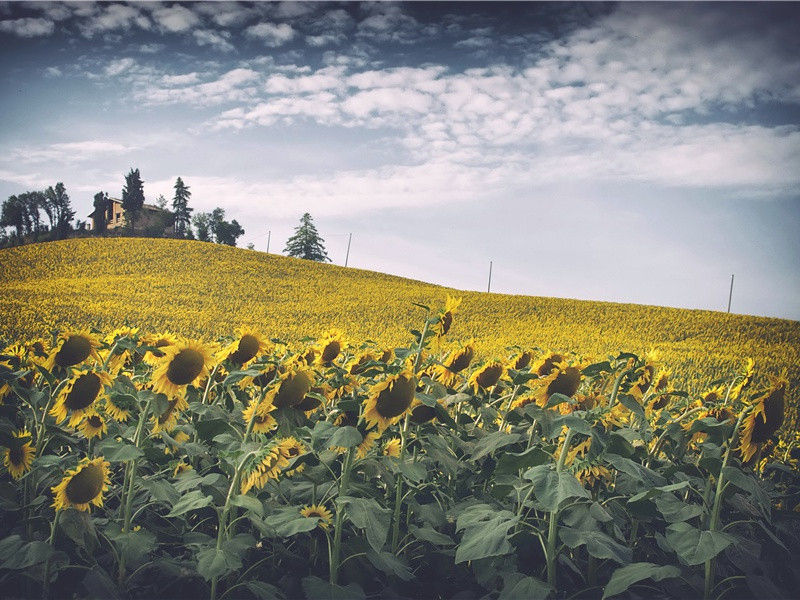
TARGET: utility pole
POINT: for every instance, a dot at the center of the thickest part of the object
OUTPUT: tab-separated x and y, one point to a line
489	287
347	256
269	237
730	296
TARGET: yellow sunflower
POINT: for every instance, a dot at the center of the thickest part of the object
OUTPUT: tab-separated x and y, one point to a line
93	426
713	395
764	419
72	348
564	379
445	322
179	437
157	341
367	443
292	389
329	347
392	448
486	376
249	344
291	448
19	458
389	400
356	365
520	360
78	398
267	464
259	410
168	420
744	379
119	407
182	364
545	365
455	362
268	373
318	511
181	468
83	485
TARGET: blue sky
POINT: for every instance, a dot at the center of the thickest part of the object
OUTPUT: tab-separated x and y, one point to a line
626	152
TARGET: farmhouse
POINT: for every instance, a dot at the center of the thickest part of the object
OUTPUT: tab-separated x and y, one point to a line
149	216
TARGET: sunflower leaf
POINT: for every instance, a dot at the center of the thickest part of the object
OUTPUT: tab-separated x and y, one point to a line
315	588
114	451
485	532
625	577
598	544
367	514
191	501
492	442
510	463
553	488
520	587
214	562
248	503
695	546
345	437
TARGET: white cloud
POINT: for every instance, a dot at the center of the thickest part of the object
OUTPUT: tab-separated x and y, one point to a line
151	48
112	17
225	14
215	39
70	152
317	41
271	34
176	80
326	78
52	72
175	19
28	27
234	85
118	66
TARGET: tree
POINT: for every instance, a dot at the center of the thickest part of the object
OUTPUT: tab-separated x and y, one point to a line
132	197
100	211
13	215
202	223
224	232
59	209
31	203
180	206
161	202
306	243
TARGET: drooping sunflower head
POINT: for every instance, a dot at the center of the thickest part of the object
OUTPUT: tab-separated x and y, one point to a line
184	363
645	376
446	315
268	373
744	379
421	413
119	406
486	376
520	360
318	511
764	419
329	347
259	410
266	465
93	426
18	457
83	486
545	365
72	348
392	448
292	389
248	344
389	400
291	448
168	420
713	395
157	342
357	364
178	439
564	380
367	443
78	398
455	362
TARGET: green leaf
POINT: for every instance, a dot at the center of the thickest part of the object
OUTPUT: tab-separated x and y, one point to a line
135	546
492	442
216	563
695	546
750	485
161	490
625	577
675	510
524	588
428	534
635	470
485	532
248	503
657	491
114	451
367	514
345	437
577	424
32	553
264	591
390	564
315	588
413	471
288	522
598	544
191	501
510	463
553	488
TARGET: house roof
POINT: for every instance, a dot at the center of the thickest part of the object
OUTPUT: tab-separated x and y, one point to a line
145	206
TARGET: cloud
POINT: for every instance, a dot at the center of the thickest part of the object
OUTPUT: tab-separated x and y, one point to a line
215	39
151	48
28	27
70	152
113	17
52	72
317	41
175	19
225	14
234	85
271	34
118	66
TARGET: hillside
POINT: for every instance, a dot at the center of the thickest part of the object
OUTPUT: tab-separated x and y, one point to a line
207	290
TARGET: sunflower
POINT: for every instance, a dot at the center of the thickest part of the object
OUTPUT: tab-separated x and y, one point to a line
745	378
456	361
445	322
392	448
486	376
389	400
563	379
356	365
268	373
179	439
83	485
118	360
119	407
157	341
93	426
764	419
19	457
181	468
292	389
268	464
291	448
318	511
329	347
182	364
520	360
367	443
168	420
713	395
249	344
421	413
545	365
79	397
72	348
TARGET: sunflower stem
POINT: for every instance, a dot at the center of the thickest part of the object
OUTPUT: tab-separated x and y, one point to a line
338	523
51	542
714	523
421	345
654	453
552	531
615	389
398	492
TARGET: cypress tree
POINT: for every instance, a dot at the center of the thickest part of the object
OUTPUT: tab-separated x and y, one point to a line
306	242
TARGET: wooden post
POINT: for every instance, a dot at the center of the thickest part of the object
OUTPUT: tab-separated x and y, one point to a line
347	256
489	287
730	295
269	237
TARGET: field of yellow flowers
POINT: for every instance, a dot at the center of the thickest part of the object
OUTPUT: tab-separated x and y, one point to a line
141	464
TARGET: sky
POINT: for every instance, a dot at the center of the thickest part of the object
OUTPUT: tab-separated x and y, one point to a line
631	152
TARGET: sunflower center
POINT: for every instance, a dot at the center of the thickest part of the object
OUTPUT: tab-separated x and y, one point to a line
16	456
293	451
247	349
422	414
264	379
447	322
74	350
395	400
293	390
85	485
95	421
84	391
566	382
331	351
461	361
549	364
523	360
185	367
771	419
489	376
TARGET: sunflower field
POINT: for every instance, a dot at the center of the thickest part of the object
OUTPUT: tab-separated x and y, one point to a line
142	464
